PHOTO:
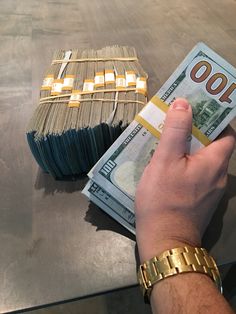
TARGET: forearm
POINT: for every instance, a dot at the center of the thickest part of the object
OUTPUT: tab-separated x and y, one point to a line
182	293
188	293
175	200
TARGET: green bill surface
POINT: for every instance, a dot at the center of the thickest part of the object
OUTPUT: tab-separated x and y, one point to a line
209	83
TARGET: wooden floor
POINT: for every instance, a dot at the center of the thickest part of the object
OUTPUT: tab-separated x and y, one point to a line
162	32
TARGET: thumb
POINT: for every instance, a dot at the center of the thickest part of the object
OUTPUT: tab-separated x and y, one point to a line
177	128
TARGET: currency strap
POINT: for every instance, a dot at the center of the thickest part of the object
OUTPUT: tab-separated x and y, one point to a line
152	117
75	95
105	81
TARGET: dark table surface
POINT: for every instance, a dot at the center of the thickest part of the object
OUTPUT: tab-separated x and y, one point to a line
55	245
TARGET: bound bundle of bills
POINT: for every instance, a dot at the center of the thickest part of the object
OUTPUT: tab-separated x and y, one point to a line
88	97
209	84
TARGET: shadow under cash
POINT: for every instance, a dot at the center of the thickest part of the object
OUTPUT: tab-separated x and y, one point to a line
103	221
50	185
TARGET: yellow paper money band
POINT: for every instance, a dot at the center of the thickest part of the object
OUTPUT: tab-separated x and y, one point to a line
99	79
152	117
130	78
47	82
122	83
88	89
56	87
68	82
109	77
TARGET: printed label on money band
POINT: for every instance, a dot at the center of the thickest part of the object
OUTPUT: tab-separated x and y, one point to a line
120	81
152	117
75	98
47	82
141	85
99	79
88	85
68	82
109	77
57	87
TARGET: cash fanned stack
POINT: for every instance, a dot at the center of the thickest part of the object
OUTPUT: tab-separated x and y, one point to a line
88	97
209	83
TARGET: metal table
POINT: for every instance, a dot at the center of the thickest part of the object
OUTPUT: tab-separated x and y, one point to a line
55	245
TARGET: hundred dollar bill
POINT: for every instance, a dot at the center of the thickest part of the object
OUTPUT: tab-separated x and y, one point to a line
110	205
209	84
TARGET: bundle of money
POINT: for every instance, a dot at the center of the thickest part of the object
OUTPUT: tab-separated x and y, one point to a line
209	84
87	99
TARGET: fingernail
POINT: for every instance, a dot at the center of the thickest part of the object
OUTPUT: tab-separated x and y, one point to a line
180	104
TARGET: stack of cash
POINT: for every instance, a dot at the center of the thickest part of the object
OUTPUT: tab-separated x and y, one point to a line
88	97
209	84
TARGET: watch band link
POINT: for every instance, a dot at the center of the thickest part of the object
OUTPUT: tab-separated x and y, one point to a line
175	261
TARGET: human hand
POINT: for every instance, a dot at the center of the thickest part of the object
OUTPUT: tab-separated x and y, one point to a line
178	193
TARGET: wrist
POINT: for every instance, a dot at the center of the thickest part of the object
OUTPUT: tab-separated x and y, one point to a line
146	252
169	232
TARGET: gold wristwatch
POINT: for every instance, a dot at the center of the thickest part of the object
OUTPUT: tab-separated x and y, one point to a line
176	261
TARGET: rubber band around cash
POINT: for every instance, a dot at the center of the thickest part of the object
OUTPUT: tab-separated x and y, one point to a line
76	103
89	92
161	105
97	99
94	60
